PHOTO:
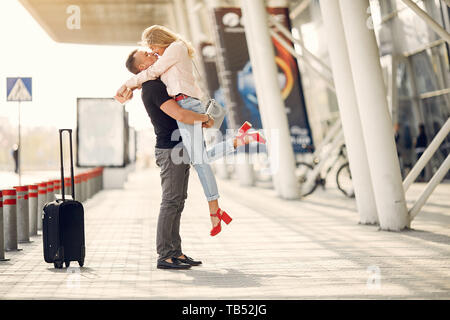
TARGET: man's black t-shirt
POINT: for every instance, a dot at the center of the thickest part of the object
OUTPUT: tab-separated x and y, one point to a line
154	94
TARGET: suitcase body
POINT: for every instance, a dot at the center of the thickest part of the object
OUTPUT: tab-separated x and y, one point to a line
63	224
63	232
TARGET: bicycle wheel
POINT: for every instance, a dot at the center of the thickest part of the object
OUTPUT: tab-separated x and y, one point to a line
303	170
344	181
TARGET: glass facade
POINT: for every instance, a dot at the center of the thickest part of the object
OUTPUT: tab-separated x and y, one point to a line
415	64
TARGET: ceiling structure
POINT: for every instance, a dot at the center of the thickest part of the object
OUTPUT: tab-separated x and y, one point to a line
106	22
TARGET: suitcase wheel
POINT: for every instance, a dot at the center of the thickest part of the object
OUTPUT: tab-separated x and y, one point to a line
58	265
81	263
67	264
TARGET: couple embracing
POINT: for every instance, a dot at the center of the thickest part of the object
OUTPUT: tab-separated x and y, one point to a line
172	100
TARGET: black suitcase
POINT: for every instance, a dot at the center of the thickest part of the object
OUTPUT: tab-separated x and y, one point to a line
63	223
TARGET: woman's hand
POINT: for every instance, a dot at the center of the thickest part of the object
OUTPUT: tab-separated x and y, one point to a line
209	123
123	96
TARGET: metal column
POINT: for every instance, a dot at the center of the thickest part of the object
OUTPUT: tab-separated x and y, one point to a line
271	104
375	118
348	108
183	25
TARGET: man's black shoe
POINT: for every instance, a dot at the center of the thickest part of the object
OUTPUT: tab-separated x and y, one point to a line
163	264
188	260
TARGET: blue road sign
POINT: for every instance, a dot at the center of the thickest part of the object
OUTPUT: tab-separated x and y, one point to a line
18	89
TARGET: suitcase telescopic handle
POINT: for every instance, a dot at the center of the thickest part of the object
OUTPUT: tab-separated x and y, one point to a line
62	163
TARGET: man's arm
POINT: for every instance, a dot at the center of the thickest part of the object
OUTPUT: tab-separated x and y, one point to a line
173	110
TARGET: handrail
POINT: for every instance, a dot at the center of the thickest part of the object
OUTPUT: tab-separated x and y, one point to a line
334	130
426	156
437	178
297	55
337	142
428	20
300	8
280	27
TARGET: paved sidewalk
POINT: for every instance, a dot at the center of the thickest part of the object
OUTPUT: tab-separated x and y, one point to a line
274	249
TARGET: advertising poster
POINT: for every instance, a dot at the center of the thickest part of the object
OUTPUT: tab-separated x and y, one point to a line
209	54
101	133
237	82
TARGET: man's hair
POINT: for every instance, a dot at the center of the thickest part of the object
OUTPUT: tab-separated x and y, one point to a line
131	62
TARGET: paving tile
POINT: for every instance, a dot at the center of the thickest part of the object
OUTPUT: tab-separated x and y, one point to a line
312	248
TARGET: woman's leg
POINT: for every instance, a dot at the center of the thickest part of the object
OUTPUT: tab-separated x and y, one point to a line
193	141
204	171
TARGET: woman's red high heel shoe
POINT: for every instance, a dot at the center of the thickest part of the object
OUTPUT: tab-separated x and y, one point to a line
222	217
244	128
253	135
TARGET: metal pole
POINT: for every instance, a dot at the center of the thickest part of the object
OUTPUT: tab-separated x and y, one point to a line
23	220
376	122
50	191
269	97
332	132
311	177
348	108
83	187
56	187
299	9
2	238
180	14
67	187
430	21
77	188
88	184
19	152
32	208
10	219
244	169
437	178
288	35
291	50
426	156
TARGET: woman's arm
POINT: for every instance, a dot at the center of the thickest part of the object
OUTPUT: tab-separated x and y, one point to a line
168	59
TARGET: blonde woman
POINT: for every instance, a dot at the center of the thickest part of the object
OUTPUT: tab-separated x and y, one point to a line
174	67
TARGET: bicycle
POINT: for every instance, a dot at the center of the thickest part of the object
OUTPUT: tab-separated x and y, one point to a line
343	174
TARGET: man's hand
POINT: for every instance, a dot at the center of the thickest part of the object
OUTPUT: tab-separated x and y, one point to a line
209	123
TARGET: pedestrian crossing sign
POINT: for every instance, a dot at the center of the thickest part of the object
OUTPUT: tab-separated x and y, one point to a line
18	89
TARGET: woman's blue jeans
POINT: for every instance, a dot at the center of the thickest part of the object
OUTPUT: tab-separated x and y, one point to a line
194	143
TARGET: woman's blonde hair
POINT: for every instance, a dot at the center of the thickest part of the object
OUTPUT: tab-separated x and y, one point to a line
161	36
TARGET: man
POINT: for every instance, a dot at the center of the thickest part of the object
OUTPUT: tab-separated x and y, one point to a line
163	112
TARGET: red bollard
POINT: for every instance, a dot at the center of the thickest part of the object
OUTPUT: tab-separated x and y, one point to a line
2	246
22	215
77	183
83	193
56	187
10	219
50	191
67	187
42	200
32	208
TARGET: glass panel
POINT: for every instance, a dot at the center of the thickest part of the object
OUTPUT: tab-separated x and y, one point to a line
403	80
425	73
435	114
406	134
321	102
